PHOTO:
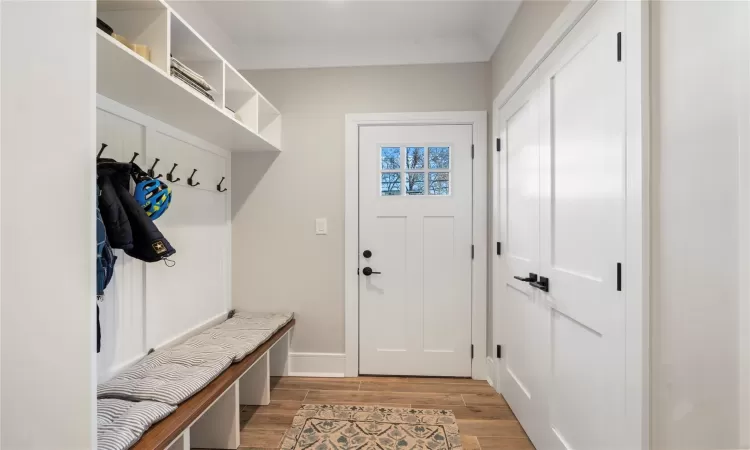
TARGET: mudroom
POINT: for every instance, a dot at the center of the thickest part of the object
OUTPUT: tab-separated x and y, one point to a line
374	224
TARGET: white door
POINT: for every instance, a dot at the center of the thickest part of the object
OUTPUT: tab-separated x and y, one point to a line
564	367
415	231
582	215
523	316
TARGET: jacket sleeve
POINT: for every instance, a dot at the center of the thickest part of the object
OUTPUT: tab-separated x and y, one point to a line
119	231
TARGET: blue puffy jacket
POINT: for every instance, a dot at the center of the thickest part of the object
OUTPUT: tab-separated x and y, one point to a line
105	257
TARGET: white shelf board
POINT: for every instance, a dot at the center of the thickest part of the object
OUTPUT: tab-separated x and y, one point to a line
126	78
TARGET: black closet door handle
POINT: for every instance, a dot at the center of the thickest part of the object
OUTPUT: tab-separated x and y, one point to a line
542	285
368	271
529	279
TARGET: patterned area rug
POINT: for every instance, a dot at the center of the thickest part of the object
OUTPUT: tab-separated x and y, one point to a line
346	427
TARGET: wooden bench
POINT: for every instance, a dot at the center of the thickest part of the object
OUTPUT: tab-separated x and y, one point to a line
211	418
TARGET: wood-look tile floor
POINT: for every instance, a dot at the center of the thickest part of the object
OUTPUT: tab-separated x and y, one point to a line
484	419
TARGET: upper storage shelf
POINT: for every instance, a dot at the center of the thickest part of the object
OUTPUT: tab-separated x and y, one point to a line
154	62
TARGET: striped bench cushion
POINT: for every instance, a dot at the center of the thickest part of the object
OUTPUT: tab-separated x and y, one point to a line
243	320
237	343
120	423
170	376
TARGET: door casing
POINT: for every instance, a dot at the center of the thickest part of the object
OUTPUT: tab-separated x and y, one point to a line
478	121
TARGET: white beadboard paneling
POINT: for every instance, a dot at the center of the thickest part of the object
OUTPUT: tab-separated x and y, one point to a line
183	296
149	305
317	364
121	310
121	318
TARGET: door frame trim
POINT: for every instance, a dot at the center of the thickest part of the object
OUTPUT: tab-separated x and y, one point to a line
478	121
636	44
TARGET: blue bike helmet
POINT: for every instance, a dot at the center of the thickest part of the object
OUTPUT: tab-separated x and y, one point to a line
154	196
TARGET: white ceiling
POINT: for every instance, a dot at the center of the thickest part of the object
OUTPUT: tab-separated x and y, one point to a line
335	33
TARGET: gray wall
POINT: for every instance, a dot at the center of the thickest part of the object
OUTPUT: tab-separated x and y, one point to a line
278	261
532	20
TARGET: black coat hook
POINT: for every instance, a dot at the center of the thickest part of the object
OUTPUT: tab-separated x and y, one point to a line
101	150
135	155
151	170
218	186
190	180
170	178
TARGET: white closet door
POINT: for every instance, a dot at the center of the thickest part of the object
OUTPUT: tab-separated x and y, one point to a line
523	317
582	99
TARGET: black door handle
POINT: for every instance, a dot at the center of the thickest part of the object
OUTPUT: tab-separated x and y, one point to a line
368	271
542	285
529	279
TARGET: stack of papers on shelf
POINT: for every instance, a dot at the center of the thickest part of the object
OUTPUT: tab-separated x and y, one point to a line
191	78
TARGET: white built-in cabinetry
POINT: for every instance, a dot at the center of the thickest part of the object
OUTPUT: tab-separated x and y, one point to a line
146	85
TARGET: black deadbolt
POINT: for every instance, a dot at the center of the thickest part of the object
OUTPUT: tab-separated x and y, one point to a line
367	253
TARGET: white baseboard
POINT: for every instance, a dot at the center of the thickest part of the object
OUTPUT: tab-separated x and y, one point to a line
331	365
491	375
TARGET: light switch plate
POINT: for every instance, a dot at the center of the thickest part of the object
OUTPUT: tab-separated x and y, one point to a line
321	226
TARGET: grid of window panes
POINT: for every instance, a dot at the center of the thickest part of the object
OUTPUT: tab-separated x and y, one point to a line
415	170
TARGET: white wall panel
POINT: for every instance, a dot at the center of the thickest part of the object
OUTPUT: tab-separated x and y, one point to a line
121	308
194	289
149	305
48	226
699	87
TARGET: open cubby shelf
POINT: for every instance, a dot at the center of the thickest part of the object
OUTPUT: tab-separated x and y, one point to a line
238	118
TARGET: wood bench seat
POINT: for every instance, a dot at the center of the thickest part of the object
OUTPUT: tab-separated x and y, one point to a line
164	433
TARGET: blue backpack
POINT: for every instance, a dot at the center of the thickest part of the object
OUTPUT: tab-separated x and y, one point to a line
105	257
